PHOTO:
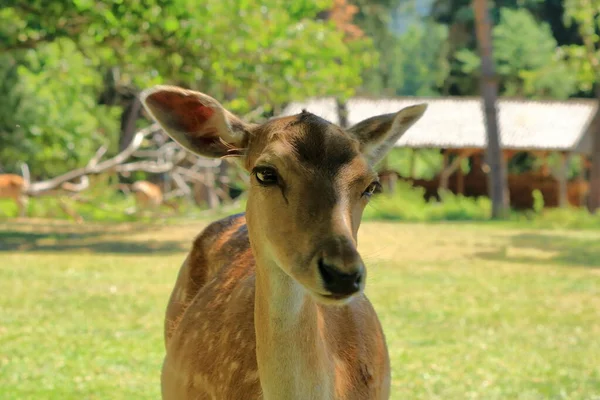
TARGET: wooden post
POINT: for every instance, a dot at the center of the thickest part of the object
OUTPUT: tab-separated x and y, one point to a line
562	180
584	186
545	166
444	161
460	180
412	162
392	182
594	191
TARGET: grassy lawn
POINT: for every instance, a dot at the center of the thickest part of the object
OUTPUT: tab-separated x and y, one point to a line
470	311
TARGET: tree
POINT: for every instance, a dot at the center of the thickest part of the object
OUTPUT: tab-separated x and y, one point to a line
585	59
412	50
250	56
528	60
48	116
458	16
497	178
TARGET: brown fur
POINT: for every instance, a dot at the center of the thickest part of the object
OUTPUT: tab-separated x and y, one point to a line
251	315
147	195
210	317
13	187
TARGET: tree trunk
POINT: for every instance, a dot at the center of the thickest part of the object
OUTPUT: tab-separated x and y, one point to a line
128	118
497	177
342	112
594	193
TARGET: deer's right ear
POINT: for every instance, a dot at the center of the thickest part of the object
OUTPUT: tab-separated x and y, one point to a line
196	121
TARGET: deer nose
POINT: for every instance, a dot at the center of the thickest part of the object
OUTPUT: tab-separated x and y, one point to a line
341	283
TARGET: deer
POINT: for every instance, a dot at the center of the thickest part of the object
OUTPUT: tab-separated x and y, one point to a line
15	187
270	303
147	195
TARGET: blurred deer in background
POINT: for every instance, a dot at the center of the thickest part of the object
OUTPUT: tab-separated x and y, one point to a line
14	187
148	196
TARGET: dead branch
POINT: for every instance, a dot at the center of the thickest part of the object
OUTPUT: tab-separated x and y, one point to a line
77	187
148	166
180	182
94	167
25	174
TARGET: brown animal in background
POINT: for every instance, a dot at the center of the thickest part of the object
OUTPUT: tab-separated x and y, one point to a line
270	304
148	196
14	187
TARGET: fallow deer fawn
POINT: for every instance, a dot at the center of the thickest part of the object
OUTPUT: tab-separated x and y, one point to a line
14	187
147	195
270	304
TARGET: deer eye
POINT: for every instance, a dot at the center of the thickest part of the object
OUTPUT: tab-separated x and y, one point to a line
266	176
373	188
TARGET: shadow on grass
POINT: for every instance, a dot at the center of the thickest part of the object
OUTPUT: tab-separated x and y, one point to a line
550	249
90	240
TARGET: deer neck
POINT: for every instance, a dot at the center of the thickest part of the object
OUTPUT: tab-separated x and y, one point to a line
290	347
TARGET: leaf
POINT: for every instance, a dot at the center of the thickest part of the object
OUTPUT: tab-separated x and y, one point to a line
171	24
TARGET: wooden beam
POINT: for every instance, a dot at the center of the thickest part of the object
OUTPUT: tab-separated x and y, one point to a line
448	170
583	159
412	162
460	181
444	159
545	168
562	180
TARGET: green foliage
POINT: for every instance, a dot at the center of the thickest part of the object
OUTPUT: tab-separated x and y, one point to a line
538	201
266	52
246	54
584	59
427	162
408	204
49	117
412	64
557	218
526	57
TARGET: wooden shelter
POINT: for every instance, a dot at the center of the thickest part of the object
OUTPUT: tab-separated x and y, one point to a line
455	126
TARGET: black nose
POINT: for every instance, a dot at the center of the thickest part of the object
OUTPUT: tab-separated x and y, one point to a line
338	282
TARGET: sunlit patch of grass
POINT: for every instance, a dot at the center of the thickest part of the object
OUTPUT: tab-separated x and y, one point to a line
469	311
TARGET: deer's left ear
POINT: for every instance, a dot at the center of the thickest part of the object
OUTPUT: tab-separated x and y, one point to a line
377	135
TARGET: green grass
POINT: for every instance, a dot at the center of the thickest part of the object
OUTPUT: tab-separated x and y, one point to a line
470	311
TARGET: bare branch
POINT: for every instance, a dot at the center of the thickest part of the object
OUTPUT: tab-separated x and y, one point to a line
77	187
180	182
97	157
91	169
25	174
148	166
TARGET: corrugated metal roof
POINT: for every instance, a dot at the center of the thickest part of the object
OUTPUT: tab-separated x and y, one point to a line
459	122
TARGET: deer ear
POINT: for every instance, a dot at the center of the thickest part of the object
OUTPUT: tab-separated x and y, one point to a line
377	135
196	121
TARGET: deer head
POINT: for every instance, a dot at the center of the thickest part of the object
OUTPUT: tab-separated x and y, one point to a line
310	181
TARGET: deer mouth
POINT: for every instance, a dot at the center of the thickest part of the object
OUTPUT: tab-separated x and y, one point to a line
335	299
337	296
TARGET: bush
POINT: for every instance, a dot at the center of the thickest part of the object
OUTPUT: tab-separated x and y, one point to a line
104	203
557	218
408	204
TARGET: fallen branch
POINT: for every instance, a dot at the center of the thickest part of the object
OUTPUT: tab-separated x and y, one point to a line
94	167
